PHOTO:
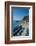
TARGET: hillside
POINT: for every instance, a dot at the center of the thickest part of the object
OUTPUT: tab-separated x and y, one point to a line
26	18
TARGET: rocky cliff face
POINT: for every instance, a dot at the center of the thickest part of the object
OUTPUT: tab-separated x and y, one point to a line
26	18
25	22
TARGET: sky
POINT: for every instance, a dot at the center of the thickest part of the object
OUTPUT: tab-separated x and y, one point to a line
19	13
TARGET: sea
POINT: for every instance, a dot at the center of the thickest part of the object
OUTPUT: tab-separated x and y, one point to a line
16	23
